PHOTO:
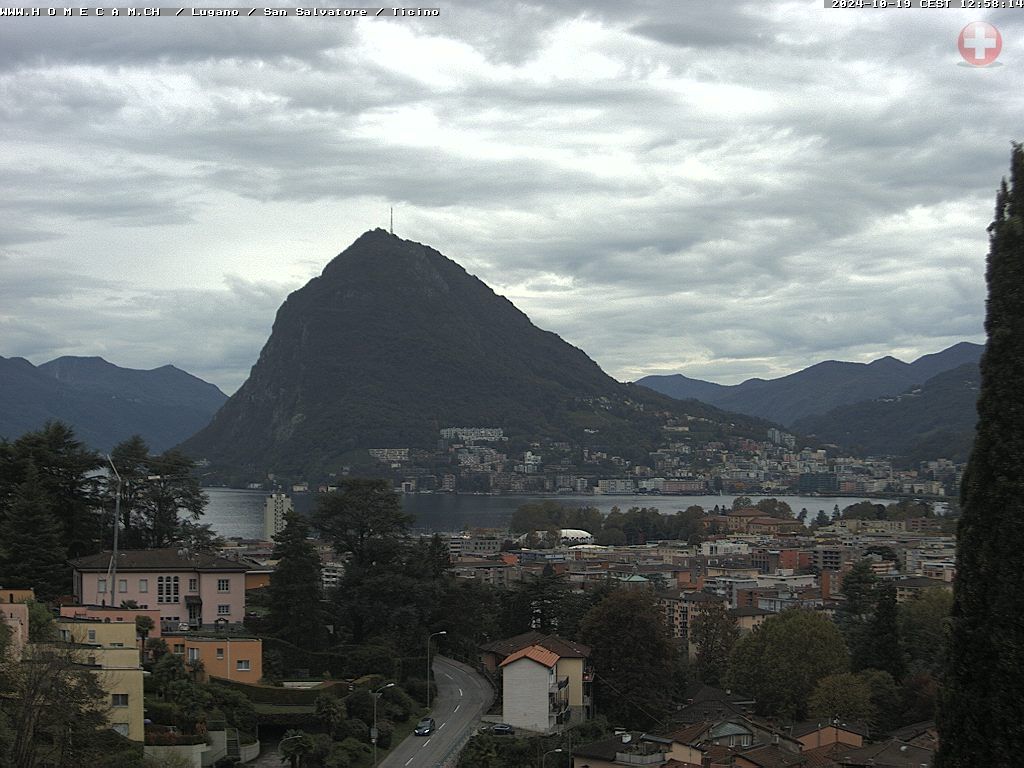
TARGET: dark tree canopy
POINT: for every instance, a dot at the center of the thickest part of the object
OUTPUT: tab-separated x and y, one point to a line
634	656
983	694
295	591
363	518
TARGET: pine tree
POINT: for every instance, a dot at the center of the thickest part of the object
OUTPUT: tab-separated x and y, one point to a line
296	591
982	704
31	551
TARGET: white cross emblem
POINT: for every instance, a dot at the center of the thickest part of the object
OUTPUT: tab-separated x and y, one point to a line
980	42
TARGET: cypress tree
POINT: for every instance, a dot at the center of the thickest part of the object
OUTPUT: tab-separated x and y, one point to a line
981	714
296	614
31	551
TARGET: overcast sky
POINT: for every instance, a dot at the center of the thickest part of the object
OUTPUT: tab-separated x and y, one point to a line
721	189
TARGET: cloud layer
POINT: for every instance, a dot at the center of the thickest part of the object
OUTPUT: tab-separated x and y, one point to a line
739	192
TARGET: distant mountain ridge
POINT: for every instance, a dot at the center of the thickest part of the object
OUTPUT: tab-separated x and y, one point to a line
105	403
933	420
394	341
819	388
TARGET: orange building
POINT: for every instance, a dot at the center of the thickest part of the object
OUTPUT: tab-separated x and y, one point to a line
223	656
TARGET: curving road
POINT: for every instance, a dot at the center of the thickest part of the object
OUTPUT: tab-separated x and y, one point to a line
462	696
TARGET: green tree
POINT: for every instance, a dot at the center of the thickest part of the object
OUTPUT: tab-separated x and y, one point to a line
742	502
983	695
364	518
923	628
295	744
633	656
295	591
66	472
714	633
775	508
31	551
883	641
161	501
821	519
855	613
843	696
781	661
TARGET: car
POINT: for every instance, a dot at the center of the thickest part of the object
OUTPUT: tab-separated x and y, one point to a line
424	727
502	729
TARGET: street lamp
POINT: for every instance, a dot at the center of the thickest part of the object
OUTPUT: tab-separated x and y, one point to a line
545	755
373	731
432	634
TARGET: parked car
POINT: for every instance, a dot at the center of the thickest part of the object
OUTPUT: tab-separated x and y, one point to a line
503	729
424	727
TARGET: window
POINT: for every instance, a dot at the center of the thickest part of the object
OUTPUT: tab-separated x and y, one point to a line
242	665
92	635
119	699
101	586
223	585
193	654
65	635
193	585
223	610
91	660
220	653
179	648
122	585
167	589
143	585
121	728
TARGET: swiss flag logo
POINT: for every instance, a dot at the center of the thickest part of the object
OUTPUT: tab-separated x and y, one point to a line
980	43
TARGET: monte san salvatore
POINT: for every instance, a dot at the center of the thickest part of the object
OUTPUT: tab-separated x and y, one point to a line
394	342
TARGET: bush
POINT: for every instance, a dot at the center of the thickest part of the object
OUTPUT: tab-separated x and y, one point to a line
164	712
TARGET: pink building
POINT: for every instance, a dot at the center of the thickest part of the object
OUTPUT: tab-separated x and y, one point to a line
185	587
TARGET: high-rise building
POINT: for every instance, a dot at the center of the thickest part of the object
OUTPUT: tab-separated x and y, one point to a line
278	505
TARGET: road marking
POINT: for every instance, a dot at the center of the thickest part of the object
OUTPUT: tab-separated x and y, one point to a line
447	675
409	760
460	691
457	708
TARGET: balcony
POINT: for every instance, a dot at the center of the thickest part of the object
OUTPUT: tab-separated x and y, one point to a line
631	758
558	685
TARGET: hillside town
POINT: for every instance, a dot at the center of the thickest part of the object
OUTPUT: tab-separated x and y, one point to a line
478	459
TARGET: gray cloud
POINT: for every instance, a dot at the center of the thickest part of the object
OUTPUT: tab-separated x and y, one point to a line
743	191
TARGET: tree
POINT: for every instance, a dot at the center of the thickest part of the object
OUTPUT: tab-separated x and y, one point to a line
714	632
742	502
55	707
821	519
923	627
775	508
982	698
781	661
295	744
161	500
295	592
884	650
633	656
31	551
844	696
856	612
67	475
363	518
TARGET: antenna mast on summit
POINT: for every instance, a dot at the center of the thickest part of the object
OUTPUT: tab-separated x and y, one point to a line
392	230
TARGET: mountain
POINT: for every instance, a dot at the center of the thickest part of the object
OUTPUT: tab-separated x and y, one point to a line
817	389
930	421
393	342
105	403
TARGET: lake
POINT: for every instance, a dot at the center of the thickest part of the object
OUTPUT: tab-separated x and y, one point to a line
240	513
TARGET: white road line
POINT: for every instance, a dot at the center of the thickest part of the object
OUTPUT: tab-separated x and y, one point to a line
442	725
456	708
447	675
410	760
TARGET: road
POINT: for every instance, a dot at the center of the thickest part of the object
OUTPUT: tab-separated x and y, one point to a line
462	696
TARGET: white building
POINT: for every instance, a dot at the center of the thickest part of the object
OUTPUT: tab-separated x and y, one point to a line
534	698
278	505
